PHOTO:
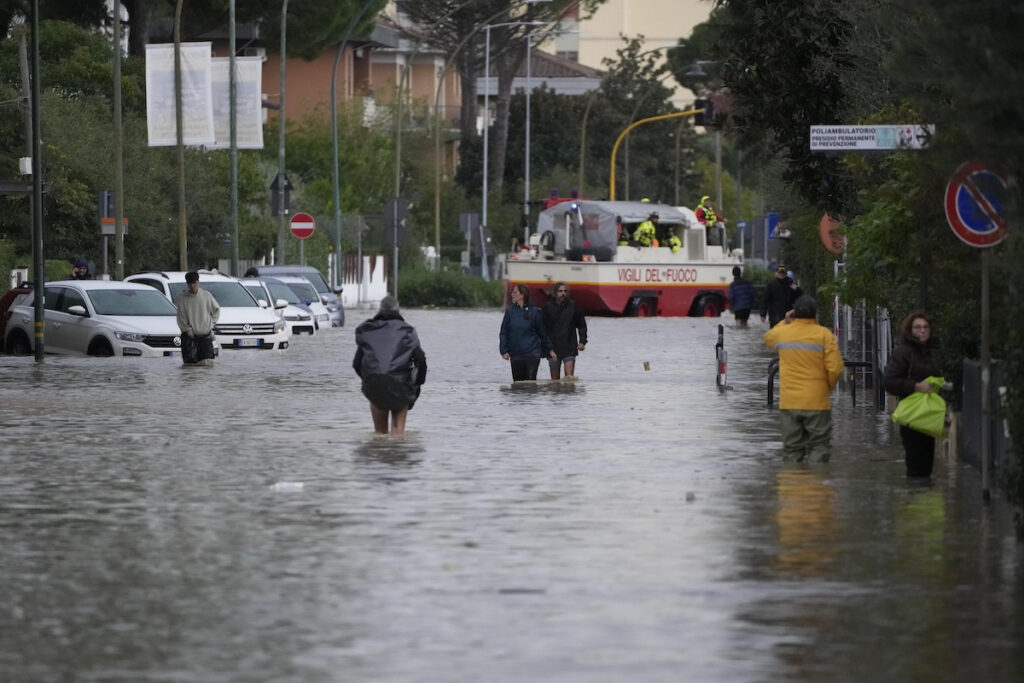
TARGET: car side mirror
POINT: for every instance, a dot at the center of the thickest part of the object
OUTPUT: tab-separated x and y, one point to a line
281	303
262	302
339	289
78	310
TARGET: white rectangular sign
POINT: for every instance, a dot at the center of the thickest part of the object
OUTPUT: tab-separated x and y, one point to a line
248	102
839	138
196	96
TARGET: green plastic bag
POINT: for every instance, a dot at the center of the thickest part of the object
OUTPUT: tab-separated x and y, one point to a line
925	413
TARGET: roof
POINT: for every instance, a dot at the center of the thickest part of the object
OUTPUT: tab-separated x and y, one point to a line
560	75
546	65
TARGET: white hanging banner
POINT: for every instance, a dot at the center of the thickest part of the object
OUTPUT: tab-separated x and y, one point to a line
248	102
196	95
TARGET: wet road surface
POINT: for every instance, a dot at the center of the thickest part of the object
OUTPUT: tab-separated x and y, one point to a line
243	523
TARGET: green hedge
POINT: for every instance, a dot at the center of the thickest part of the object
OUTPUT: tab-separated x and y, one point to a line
448	289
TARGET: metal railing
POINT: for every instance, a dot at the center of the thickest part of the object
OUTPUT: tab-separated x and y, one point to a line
773	369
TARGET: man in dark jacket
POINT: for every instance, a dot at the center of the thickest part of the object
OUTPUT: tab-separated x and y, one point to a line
391	364
563	320
741	297
80	270
779	296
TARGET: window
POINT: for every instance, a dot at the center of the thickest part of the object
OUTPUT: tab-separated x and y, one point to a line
72	297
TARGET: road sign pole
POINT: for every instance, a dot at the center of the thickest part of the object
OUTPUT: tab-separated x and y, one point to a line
394	257
986	366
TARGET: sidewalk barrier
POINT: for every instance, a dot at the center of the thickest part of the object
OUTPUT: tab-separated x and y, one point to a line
773	369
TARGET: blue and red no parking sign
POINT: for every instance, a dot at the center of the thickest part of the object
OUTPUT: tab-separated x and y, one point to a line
975	203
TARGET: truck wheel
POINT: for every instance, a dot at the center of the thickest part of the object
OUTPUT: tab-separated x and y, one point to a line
709	307
642	307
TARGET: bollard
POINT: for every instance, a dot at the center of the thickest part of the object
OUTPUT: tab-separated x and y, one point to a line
721	360
773	369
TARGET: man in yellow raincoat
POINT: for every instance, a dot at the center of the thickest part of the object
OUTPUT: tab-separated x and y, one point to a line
809	368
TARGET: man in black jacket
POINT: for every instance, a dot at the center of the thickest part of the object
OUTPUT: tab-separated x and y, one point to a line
391	364
563	319
779	296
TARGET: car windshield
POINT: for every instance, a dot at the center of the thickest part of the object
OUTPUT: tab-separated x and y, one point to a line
257	291
304	291
318	281
281	291
130	302
228	294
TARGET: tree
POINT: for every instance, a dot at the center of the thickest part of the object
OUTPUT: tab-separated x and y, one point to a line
451	21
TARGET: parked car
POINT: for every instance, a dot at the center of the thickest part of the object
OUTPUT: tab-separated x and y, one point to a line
297	320
280	290
8	301
329	297
243	323
308	295
97	318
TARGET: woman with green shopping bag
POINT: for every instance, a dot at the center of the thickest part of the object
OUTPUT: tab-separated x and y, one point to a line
909	366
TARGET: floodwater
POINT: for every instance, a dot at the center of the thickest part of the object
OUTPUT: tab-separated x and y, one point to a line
243	523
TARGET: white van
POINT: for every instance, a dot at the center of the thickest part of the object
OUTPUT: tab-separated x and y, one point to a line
243	324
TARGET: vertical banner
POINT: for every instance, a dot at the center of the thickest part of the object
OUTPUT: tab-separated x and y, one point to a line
248	102
196	96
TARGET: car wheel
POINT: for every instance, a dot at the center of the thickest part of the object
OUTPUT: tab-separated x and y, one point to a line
100	347
17	344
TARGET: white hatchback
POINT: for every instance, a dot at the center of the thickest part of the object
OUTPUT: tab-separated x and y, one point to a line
308	295
296	319
97	318
243	323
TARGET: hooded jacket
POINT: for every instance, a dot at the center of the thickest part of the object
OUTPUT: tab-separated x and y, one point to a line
389	360
809	364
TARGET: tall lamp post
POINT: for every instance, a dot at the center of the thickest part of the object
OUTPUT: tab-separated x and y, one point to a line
487	110
698	76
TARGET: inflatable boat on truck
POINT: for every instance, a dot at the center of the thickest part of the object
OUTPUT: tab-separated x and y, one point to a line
578	242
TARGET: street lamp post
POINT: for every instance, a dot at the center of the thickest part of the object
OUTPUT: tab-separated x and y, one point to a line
487	113
696	75
526	166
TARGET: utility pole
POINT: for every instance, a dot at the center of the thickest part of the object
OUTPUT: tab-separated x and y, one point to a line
39	264
282	217
233	127
178	118
118	153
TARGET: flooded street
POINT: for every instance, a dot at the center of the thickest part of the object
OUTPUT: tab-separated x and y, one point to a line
243	523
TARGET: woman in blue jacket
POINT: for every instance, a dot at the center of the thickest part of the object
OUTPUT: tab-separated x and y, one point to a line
523	339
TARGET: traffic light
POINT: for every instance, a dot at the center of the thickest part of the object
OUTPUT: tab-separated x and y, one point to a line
705	118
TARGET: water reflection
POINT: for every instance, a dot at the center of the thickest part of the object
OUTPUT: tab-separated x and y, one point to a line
806	521
399	451
243	523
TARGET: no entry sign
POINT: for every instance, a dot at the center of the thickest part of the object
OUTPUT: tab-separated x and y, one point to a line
302	225
975	201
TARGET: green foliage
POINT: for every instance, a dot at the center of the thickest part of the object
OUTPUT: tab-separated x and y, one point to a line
422	288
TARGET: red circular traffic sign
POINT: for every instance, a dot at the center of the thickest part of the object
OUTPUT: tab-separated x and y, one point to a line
302	225
975	201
